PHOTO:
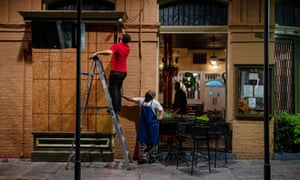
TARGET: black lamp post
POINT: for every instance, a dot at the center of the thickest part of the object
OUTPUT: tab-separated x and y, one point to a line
267	166
77	174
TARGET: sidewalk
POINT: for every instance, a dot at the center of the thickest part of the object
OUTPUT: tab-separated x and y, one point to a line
24	169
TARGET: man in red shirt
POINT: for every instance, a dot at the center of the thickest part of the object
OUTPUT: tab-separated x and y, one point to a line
119	52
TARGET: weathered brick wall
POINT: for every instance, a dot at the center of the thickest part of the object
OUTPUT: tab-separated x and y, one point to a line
142	61
16	80
50	77
248	138
15	98
247	18
54	81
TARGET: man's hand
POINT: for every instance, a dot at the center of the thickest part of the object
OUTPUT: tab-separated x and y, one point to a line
161	115
105	52
95	54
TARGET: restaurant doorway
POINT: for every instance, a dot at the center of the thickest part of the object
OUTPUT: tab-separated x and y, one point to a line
198	62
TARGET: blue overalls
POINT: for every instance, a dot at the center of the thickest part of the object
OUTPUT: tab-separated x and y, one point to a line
148	133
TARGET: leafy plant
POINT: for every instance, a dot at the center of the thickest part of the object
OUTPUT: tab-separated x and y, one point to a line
203	117
287	132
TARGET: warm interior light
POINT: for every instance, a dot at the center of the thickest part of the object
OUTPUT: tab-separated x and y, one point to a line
213	58
161	66
213	62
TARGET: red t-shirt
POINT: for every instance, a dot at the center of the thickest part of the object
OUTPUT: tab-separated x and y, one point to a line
119	57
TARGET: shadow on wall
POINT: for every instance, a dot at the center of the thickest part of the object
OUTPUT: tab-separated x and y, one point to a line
132	114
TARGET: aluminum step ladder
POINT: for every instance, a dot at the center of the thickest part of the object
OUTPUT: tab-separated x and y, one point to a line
97	63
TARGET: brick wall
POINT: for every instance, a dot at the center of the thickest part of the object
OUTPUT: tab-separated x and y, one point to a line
15	98
16	80
245	48
51	76
248	139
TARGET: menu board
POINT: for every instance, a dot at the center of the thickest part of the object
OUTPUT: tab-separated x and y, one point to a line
250	90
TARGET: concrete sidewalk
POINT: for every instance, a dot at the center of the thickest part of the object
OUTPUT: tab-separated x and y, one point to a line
24	169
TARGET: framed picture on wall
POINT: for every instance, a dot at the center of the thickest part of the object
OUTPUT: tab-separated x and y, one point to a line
250	90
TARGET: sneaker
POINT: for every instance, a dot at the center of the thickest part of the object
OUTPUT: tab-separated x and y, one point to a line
152	160
142	161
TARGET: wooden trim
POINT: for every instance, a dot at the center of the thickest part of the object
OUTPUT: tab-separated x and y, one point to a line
192	29
99	17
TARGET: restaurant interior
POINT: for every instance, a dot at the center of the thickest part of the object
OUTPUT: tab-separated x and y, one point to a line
198	63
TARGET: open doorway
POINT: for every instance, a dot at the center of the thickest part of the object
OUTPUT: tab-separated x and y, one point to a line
198	63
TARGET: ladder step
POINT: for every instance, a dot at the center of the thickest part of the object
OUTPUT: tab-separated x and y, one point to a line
85	73
88	73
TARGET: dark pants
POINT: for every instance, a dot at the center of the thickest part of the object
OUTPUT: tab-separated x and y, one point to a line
147	149
115	88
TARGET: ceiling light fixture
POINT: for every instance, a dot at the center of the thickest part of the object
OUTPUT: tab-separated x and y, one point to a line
213	58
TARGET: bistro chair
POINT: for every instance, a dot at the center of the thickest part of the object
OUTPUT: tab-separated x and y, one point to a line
167	144
193	140
219	134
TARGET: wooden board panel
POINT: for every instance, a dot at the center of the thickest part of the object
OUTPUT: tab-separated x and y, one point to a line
40	122
55	100
55	122
41	96
68	96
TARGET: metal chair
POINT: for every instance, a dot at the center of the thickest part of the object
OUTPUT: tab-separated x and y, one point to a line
219	133
167	133
196	133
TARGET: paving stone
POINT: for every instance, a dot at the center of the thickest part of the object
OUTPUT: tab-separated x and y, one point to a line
24	169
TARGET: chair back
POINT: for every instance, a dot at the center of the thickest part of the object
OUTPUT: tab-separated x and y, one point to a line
168	127
185	127
200	131
218	125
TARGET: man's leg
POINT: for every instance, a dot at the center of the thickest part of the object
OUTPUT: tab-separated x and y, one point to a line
143	153
120	89
152	153
115	85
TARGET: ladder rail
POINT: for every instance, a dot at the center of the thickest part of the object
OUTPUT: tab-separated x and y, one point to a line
84	103
112	112
87	91
97	63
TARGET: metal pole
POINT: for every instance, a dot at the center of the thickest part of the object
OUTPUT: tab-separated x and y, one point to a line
77	174
267	166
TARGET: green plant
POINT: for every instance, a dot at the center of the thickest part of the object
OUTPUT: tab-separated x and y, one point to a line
287	132
203	117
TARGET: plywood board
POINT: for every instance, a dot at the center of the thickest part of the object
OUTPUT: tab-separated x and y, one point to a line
55	96
68	122
55	122
40	122
68	96
41	96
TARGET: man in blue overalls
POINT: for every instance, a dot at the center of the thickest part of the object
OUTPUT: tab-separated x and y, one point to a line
148	128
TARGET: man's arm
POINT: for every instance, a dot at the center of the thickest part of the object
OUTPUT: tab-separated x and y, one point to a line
128	98
160	115
104	52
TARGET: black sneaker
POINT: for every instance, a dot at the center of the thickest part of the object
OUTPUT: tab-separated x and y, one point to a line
142	161
152	160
